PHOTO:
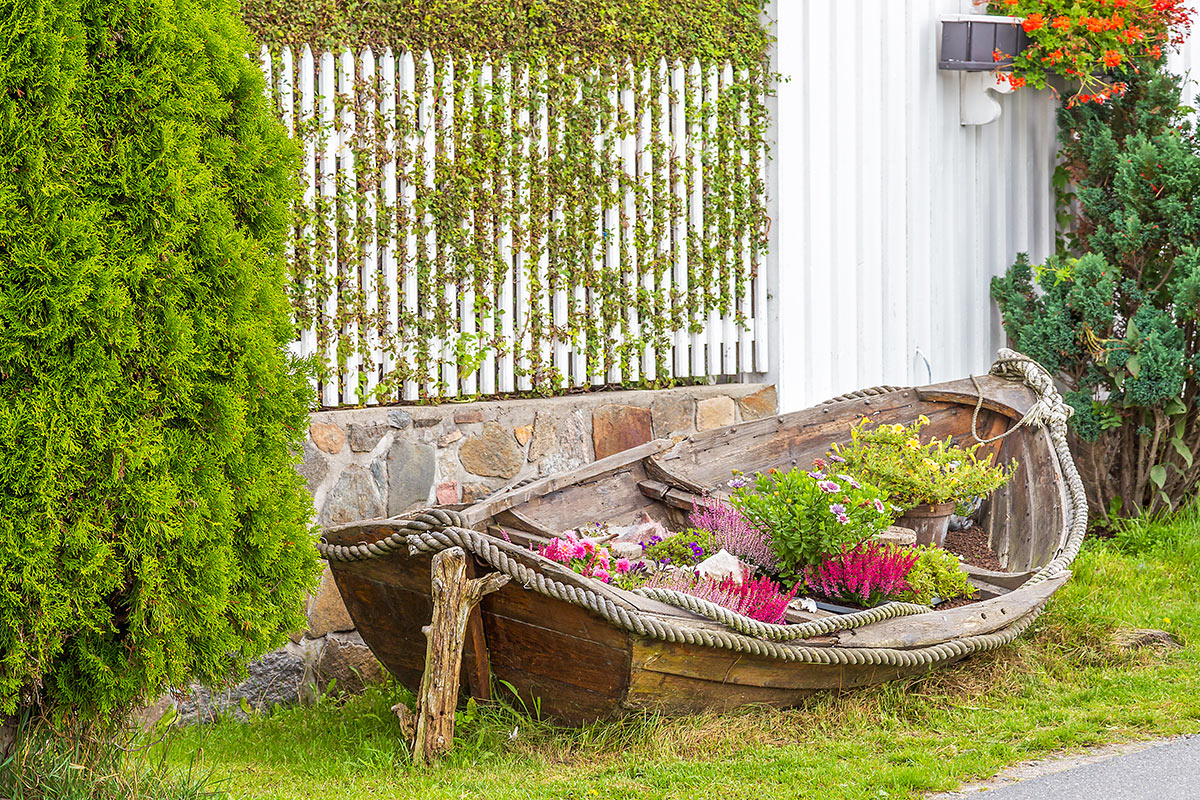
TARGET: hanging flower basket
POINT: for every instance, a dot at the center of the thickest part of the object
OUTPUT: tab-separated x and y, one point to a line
970	42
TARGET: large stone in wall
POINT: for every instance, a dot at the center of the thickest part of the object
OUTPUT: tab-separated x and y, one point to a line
327	613
411	469
314	468
762	403
494	453
363	438
671	413
328	436
348	662
618	428
545	430
283	677
354	497
572	445
714	412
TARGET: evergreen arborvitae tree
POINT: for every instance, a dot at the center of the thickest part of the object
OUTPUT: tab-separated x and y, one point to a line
152	528
1117	315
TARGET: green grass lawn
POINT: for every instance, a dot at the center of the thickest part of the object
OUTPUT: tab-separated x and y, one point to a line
1063	686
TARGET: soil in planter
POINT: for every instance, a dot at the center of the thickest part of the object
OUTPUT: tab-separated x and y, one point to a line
972	545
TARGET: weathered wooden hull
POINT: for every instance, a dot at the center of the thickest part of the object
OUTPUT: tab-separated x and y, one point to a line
576	665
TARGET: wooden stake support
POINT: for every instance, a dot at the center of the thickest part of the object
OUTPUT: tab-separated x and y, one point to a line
454	597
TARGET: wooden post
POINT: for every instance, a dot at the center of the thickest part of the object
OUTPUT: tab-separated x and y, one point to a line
454	595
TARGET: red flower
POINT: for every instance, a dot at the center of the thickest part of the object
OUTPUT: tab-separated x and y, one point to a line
1015	82
1093	24
1061	22
1033	22
1112	58
1155	52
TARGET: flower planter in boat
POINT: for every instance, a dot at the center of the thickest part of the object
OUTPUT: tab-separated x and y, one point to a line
929	521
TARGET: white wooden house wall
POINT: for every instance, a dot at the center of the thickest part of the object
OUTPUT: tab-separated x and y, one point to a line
890	216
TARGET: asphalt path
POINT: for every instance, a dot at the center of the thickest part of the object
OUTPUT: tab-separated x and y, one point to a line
1165	772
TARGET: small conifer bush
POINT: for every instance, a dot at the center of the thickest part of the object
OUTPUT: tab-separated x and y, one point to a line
152	528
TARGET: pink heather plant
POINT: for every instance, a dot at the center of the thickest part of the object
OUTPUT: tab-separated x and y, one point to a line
868	573
585	557
733	532
758	598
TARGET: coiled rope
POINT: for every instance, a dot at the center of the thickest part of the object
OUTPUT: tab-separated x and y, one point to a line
434	530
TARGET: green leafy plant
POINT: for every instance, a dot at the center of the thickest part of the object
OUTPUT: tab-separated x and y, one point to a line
811	513
913	472
153	529
1093	44
1117	315
684	549
936	573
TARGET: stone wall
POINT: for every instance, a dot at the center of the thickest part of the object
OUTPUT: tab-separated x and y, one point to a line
379	462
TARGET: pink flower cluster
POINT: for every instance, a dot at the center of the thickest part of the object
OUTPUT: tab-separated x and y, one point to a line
868	573
584	556
733	532
758	598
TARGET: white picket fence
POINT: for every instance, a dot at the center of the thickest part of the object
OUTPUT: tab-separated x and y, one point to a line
361	116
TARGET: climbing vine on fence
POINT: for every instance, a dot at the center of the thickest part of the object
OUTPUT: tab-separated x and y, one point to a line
524	196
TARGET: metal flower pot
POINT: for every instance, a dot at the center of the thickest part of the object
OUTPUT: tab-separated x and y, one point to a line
930	522
969	41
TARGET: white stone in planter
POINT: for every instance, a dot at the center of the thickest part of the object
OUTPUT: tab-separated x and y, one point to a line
722	565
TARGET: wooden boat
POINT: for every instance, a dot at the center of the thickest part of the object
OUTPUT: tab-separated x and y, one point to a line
579	650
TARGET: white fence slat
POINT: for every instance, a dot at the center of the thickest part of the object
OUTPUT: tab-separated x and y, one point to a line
596	308
452	287
486	232
308	95
731	262
387	255
287	112
465	297
428	304
629	221
371	284
612	228
744	265
644	105
678	190
695	132
562	367
265	64
716	327
506	189
579	308
762	351
409	175
329	391
542	303
522	303
662	176
346	166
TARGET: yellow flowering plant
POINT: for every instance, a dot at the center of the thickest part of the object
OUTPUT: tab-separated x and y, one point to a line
915	472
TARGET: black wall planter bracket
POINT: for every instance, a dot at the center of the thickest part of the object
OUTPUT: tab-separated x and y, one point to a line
968	44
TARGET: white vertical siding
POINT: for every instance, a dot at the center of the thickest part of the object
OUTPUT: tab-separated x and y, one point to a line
892	216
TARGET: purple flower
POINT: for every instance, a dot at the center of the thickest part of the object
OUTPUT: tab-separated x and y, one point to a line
842	518
848	479
879	505
738	482
836	458
816	475
837	509
829	487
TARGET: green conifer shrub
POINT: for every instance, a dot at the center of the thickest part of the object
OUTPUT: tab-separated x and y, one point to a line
1116	314
152	528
